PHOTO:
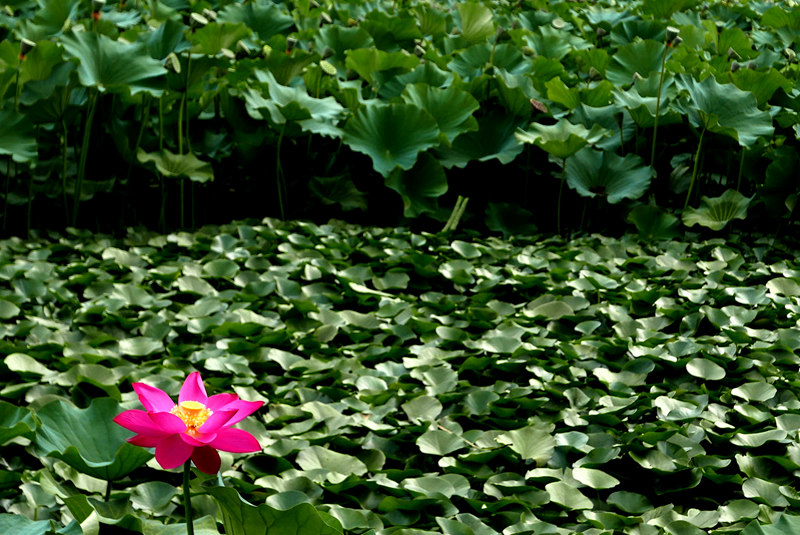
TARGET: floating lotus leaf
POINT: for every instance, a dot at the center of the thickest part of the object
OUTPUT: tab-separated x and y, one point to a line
391	134
87	439
717	212
724	109
179	165
241	518
592	172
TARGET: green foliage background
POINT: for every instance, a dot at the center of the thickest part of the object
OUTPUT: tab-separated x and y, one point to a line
563	115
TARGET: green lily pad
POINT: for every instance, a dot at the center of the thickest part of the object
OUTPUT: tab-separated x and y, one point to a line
88	439
531	442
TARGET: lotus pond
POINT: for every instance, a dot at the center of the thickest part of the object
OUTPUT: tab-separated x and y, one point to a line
413	383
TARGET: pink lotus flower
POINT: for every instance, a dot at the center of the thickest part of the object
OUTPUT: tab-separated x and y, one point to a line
194	429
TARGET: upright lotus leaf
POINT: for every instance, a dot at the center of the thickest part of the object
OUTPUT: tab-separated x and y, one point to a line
724	109
167	38
340	39
558	92
717	212
286	67
264	17
593	173
39	62
515	91
392	32
424	73
88	439
562	139
369	62
494	139
451	107
17	137
476	59
316	115
111	65
640	102
49	20
642	57
241	518
553	43
783	524
15	422
212	38
391	134
477	24
420	187
762	84
178	165
653	223
663	9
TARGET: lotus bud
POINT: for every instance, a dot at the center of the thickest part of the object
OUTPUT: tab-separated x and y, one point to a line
313	4
351	21
538	106
593	73
637	77
732	54
751	65
528	51
242	50
672	33
677	41
328	68
291	42
326	53
266	51
25	46
325	18
558	23
227	53
210	14
196	20
790	54
97	5
9	11
172	63
419	51
735	66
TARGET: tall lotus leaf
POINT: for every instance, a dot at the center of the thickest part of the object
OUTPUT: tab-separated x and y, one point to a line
427	73
391	134
642	57
653	223
317	115
17	137
717	212
476	21
367	62
663	9
554	43
451	107
15	422
640	102
392	32
242	518
420	187
762	84
178	165
39	62
213	37
49	20
169	37
111	65
87	439
9	63
593	172
635	30
474	61
494	139
515	91
725	109
263	17
562	139
339	39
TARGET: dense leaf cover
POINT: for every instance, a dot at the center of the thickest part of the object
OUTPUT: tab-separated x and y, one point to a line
170	113
414	383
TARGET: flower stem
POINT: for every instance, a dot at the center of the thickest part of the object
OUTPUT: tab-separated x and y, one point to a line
694	170
87	133
658	108
560	193
187	498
